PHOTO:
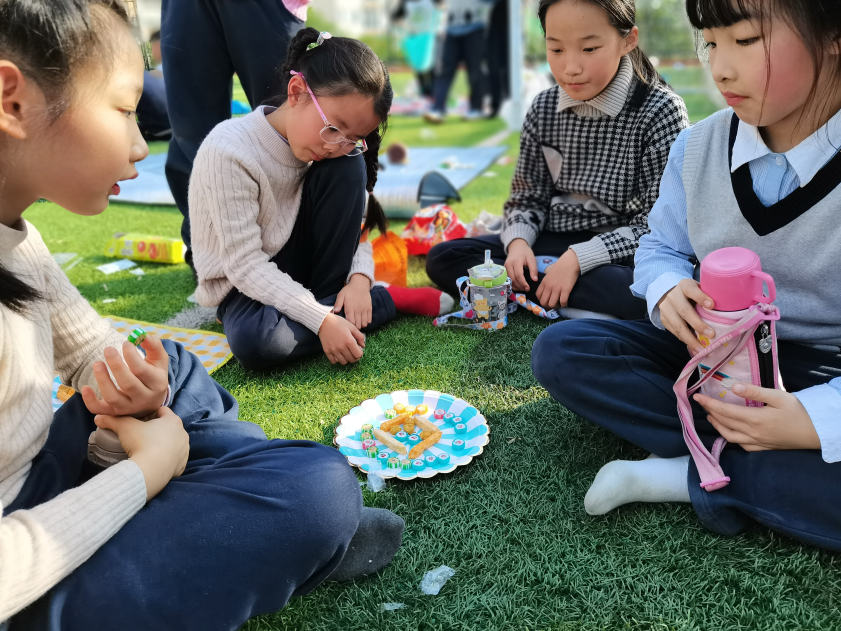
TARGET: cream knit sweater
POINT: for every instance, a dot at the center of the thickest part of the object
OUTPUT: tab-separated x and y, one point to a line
39	547
245	192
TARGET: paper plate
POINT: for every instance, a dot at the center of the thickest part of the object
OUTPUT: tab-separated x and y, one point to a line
372	411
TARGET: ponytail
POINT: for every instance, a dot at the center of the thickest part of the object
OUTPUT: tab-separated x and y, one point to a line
375	216
14	293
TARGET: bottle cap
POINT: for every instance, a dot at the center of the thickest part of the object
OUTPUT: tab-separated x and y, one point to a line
733	278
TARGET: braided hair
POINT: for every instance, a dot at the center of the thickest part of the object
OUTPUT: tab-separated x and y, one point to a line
337	67
48	40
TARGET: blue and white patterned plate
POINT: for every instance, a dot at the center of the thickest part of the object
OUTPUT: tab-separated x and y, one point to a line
372	411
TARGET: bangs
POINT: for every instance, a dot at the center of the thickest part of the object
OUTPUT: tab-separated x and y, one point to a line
704	14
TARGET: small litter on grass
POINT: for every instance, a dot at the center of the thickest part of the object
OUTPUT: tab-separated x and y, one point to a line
434	580
108	301
391	606
117	266
505	161
489	174
192	298
138	272
64	257
74	264
105	287
376	483
427	134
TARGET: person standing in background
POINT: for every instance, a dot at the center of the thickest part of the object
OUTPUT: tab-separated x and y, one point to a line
420	21
496	55
467	22
152	113
203	43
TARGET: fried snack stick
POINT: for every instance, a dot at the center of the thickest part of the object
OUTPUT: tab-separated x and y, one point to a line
393	422
426	425
388	441
418	449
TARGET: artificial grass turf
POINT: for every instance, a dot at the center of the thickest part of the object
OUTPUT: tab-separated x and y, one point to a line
512	523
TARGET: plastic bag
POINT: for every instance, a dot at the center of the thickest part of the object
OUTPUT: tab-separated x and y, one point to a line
391	259
431	226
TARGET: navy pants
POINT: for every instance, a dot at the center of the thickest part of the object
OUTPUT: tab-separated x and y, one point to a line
318	255
250	523
470	49
603	290
152	112
620	375
203	43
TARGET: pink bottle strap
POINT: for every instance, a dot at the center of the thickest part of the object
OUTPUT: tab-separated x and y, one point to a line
709	470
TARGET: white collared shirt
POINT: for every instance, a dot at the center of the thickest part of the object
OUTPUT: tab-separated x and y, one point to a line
806	159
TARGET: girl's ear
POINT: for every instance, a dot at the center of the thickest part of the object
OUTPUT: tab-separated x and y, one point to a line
295	90
632	39
15	100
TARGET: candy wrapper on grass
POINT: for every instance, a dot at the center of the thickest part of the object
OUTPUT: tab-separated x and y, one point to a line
434	580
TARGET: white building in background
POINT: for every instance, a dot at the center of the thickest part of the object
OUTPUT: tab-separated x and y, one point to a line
356	17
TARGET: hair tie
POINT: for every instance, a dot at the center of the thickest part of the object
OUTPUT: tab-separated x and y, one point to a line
322	36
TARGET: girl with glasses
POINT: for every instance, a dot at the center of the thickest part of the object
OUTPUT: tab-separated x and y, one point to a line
276	202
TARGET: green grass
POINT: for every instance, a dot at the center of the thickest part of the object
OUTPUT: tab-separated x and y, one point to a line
512	523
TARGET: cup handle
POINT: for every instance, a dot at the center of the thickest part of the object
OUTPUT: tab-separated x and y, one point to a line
772	289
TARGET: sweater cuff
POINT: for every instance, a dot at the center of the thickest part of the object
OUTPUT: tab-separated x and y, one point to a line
308	311
591	254
518	231
363	263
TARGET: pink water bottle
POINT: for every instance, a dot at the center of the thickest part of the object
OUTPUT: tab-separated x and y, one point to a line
733	278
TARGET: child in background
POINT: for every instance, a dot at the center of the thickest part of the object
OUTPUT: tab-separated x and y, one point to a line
764	175
592	152
275	240
207	523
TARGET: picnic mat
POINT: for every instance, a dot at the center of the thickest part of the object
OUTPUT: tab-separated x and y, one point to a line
397	185
211	348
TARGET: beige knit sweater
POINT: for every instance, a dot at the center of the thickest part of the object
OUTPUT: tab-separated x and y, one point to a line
39	547
244	196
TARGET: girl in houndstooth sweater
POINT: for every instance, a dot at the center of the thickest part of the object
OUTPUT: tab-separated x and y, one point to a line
592	151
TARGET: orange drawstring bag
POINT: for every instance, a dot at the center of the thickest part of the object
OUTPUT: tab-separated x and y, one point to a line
391	259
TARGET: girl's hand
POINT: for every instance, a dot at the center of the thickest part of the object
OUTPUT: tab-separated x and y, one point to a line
141	382
160	446
520	255
559	280
678	315
342	341
782	424
355	297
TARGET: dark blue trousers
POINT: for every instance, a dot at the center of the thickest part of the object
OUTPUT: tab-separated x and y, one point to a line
203	43
470	49
250	523
152	112
318	255
620	375
603	290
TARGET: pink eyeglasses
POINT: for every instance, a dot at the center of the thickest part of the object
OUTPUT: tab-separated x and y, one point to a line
329	133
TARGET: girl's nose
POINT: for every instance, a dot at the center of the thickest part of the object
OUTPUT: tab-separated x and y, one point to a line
720	66
139	148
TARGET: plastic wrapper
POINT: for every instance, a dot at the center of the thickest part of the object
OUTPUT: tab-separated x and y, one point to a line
375	483
434	580
431	226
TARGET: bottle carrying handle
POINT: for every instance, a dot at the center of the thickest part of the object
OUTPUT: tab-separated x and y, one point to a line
772	289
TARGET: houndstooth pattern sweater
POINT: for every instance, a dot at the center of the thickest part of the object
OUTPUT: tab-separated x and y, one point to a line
594	166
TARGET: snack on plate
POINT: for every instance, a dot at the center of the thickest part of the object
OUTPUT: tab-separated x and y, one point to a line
390	413
367	427
388	441
414	439
394	422
393	463
409	426
426	425
422	409
368	443
402	436
461	428
458	444
418	464
430	460
399	408
443	459
410	410
64	393
366	436
422	446
395	430
383	457
457	420
406	464
372	451
448	416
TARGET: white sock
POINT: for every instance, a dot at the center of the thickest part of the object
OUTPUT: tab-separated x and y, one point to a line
447	303
651	480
